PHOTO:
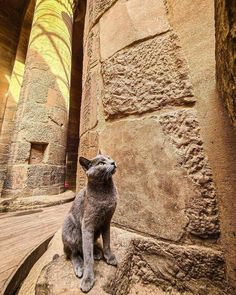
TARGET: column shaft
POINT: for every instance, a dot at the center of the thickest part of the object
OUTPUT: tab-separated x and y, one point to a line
37	160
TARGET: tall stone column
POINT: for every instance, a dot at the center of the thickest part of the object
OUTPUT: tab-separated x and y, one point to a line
146	64
13	93
37	160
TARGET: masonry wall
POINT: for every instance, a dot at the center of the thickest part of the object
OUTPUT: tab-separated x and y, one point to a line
225	13
149	100
224	125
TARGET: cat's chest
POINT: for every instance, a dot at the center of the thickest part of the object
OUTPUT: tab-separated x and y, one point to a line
101	209
103	206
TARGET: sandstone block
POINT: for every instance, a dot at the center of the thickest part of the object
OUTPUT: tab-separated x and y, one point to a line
35	112
20	153
48	190
96	10
91	51
145	267
182	129
37	179
163	176
88	148
38	92
129	21
153	189
45	175
55	154
41	132
145	77
16	177
92	93
59	116
54	98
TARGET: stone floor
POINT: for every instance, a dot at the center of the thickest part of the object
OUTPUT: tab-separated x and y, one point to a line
22	231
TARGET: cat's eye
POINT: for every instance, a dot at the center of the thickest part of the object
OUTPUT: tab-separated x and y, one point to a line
101	163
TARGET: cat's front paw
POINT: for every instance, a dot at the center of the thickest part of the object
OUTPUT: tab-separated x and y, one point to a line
97	254
87	284
78	271
111	259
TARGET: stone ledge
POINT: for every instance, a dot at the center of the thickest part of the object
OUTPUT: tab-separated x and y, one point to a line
146	266
34	202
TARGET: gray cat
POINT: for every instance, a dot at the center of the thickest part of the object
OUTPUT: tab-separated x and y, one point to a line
90	216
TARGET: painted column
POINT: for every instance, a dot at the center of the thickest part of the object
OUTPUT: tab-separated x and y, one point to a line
37	159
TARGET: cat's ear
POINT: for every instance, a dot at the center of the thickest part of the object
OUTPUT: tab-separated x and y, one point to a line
85	163
99	152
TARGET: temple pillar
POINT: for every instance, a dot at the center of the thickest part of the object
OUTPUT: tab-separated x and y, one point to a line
12	96
36	164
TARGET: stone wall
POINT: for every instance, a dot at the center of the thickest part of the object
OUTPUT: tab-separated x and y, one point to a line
225	15
195	24
144	93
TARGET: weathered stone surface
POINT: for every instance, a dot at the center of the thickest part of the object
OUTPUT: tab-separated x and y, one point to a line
146	77
167	181
16	178
153	189
96	10
225	13
20	153
170	267
34	202
88	148
55	155
92	93
137	18
199	37
24	180
142	262
91	51
42	132
182	128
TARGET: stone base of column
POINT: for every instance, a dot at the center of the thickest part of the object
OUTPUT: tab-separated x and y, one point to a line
33	180
35	202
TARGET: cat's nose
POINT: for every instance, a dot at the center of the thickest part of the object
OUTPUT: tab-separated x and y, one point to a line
114	164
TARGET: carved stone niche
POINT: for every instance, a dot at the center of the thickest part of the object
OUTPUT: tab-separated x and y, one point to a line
37	152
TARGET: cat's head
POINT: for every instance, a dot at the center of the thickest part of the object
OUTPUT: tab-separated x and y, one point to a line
100	168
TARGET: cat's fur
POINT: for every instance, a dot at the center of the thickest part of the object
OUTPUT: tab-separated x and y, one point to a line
90	216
